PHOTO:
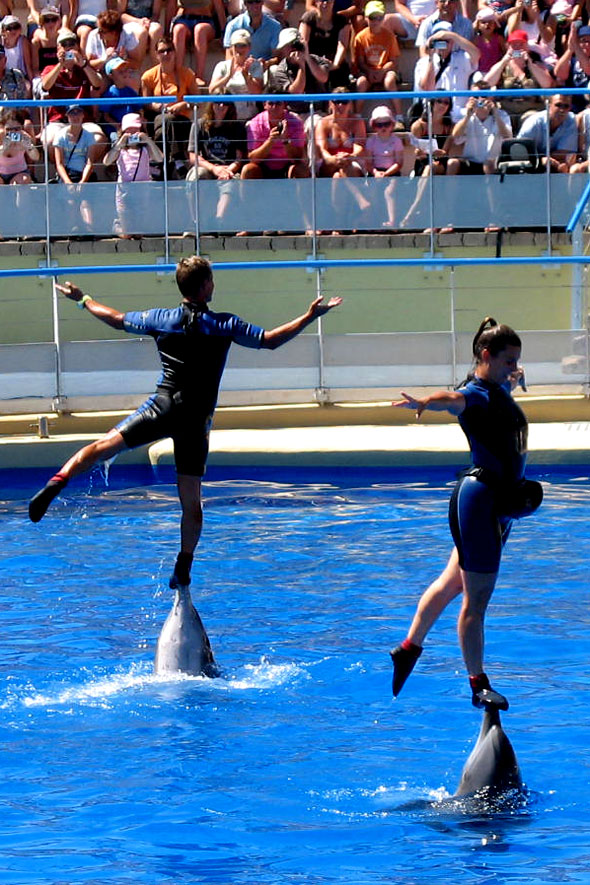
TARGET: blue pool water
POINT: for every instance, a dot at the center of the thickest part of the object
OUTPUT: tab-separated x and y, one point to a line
295	766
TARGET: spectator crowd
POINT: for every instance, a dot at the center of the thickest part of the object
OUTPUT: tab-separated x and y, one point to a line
338	48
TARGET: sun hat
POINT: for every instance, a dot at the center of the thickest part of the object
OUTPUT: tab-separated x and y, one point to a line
130	121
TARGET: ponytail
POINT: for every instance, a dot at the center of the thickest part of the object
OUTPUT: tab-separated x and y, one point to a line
494	337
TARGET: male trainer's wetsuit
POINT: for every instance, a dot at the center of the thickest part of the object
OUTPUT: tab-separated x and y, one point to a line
483	503
193	343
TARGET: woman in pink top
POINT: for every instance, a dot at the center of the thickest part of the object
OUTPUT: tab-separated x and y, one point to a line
133	152
16	147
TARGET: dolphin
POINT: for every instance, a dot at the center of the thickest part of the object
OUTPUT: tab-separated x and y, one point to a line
492	765
183	645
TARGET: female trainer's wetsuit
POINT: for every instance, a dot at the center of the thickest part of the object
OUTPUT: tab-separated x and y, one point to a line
483	503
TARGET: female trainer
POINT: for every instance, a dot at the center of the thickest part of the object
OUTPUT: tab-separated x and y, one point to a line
485	500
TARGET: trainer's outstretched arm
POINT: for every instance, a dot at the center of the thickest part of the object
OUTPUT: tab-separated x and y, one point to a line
102	312
442	401
276	337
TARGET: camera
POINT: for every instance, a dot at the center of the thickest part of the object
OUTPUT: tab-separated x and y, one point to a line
480	103
70	56
133	138
517	54
280	127
14	136
440	44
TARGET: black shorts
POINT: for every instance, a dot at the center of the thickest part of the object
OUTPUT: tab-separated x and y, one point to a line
164	415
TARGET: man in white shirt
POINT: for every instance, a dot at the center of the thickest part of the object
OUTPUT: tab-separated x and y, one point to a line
449	64
480	131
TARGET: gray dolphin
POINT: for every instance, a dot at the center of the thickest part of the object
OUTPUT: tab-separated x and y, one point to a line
492	764
183	644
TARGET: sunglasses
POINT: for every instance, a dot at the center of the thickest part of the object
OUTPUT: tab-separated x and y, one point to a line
382	124
253	2
68	44
241	45
562	106
165	51
12	27
376	18
341	101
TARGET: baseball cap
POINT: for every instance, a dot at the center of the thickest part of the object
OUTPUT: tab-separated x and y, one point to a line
515	36
485	15
374	7
74	109
441	26
66	34
10	20
113	64
287	36
240	36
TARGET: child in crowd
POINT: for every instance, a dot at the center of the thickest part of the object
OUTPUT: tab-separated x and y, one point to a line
375	51
133	152
124	79
488	39
384	155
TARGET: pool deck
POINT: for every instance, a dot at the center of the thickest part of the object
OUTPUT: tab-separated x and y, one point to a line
308	435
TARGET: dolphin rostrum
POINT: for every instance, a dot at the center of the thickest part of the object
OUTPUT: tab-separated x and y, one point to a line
183	645
492	764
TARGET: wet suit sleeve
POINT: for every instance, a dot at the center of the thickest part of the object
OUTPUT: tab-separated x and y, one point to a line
227	325
155	321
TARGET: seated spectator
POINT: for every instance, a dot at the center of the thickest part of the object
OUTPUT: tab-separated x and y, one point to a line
112	39
298	71
86	19
340	139
135	153
143	18
73	77
16	148
502	10
583	123
433	144
446	11
13	83
75	149
327	33
240	74
75	155
536	20
17	49
276	144
124	78
479	134
573	68
375	54
44	43
201	21
264	30
436	145
36	8
449	64
563	133
166	78
384	150
521	67
408	17
488	40
222	149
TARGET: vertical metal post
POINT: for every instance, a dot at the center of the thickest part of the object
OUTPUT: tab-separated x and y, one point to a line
312	158
196	184
548	177
57	342
431	176
453	326
46	165
166	220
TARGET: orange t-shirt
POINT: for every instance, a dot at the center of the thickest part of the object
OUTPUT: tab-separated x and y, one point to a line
375	50
156	82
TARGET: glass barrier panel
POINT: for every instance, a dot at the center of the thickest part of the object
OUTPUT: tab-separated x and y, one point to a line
106	209
22	211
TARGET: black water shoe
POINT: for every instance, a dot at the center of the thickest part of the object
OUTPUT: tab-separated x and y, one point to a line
39	504
404	661
487	697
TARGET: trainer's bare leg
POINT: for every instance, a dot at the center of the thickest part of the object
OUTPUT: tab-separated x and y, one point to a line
191	525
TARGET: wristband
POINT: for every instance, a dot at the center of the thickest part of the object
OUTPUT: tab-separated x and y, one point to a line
83	301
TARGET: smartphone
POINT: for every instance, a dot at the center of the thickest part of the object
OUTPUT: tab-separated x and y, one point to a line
281	127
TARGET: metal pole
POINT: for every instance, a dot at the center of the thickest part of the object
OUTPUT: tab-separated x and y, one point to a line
57	342
453	327
431	176
166	221
314	239
548	178
46	165
196	184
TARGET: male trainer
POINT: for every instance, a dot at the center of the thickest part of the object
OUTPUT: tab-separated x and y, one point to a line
193	343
